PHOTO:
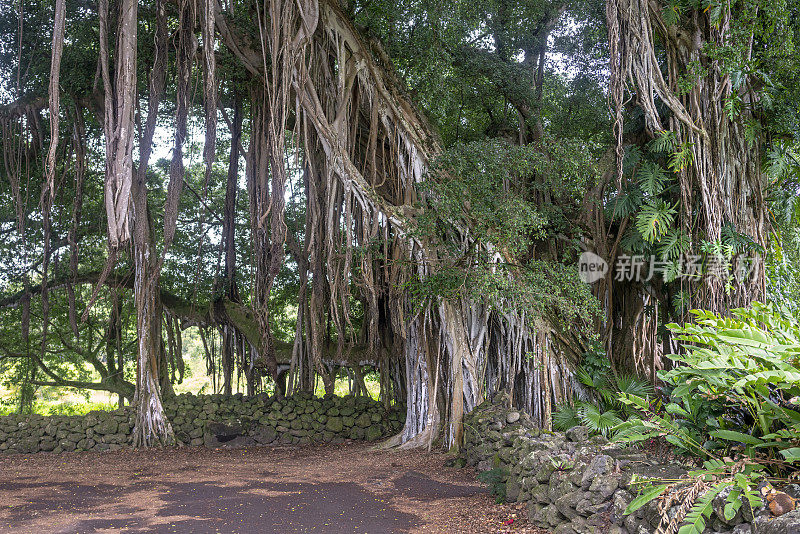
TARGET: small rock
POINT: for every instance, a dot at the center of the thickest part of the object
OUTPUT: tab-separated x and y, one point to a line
577	434
600	465
334	424
793	490
266	435
372	433
512	417
780	503
513	490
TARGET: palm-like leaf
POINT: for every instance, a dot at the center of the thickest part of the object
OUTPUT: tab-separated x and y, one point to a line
589	380
736	241
633	385
673	244
672	271
625	203
632	242
632	157
651	178
665	142
778	162
655	219
565	417
682	158
596	420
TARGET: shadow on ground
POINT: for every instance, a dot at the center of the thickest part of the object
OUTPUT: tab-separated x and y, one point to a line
326	490
262	507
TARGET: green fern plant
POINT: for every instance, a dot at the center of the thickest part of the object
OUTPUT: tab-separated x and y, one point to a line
740	364
782	161
631	159
604	411
681	158
496	479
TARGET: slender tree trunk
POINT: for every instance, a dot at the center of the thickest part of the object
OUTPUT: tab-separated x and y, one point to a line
152	425
230	337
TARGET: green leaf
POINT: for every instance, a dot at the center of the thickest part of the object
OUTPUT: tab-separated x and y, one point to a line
731	508
646	496
732	435
655	219
734	500
651	177
676	409
792	455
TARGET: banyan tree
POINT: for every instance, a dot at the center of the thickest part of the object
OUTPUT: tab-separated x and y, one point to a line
402	259
690	179
315	101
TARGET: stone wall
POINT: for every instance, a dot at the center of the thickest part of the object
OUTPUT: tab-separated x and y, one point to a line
210	420
576	484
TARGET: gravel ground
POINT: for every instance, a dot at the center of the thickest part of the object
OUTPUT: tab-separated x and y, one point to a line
350	488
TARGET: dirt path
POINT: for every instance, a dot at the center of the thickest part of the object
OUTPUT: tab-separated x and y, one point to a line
344	489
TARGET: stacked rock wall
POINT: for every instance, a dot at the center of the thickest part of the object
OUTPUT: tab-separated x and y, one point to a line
210	420
576	484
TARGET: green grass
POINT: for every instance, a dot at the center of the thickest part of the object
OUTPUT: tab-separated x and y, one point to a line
341	387
57	407
68	401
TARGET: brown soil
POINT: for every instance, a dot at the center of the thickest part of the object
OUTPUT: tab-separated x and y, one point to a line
351	488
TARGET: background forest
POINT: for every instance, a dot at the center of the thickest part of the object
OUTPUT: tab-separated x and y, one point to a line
174	203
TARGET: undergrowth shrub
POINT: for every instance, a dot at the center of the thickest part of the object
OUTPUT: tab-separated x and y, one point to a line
732	403
603	410
496	479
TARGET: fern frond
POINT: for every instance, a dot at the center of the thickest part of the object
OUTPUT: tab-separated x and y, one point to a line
735	241
625	203
681	158
632	242
631	159
672	271
681	301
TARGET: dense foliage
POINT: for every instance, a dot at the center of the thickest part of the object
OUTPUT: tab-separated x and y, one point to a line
731	401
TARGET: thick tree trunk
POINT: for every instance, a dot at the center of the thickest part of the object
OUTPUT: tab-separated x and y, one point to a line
120	106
